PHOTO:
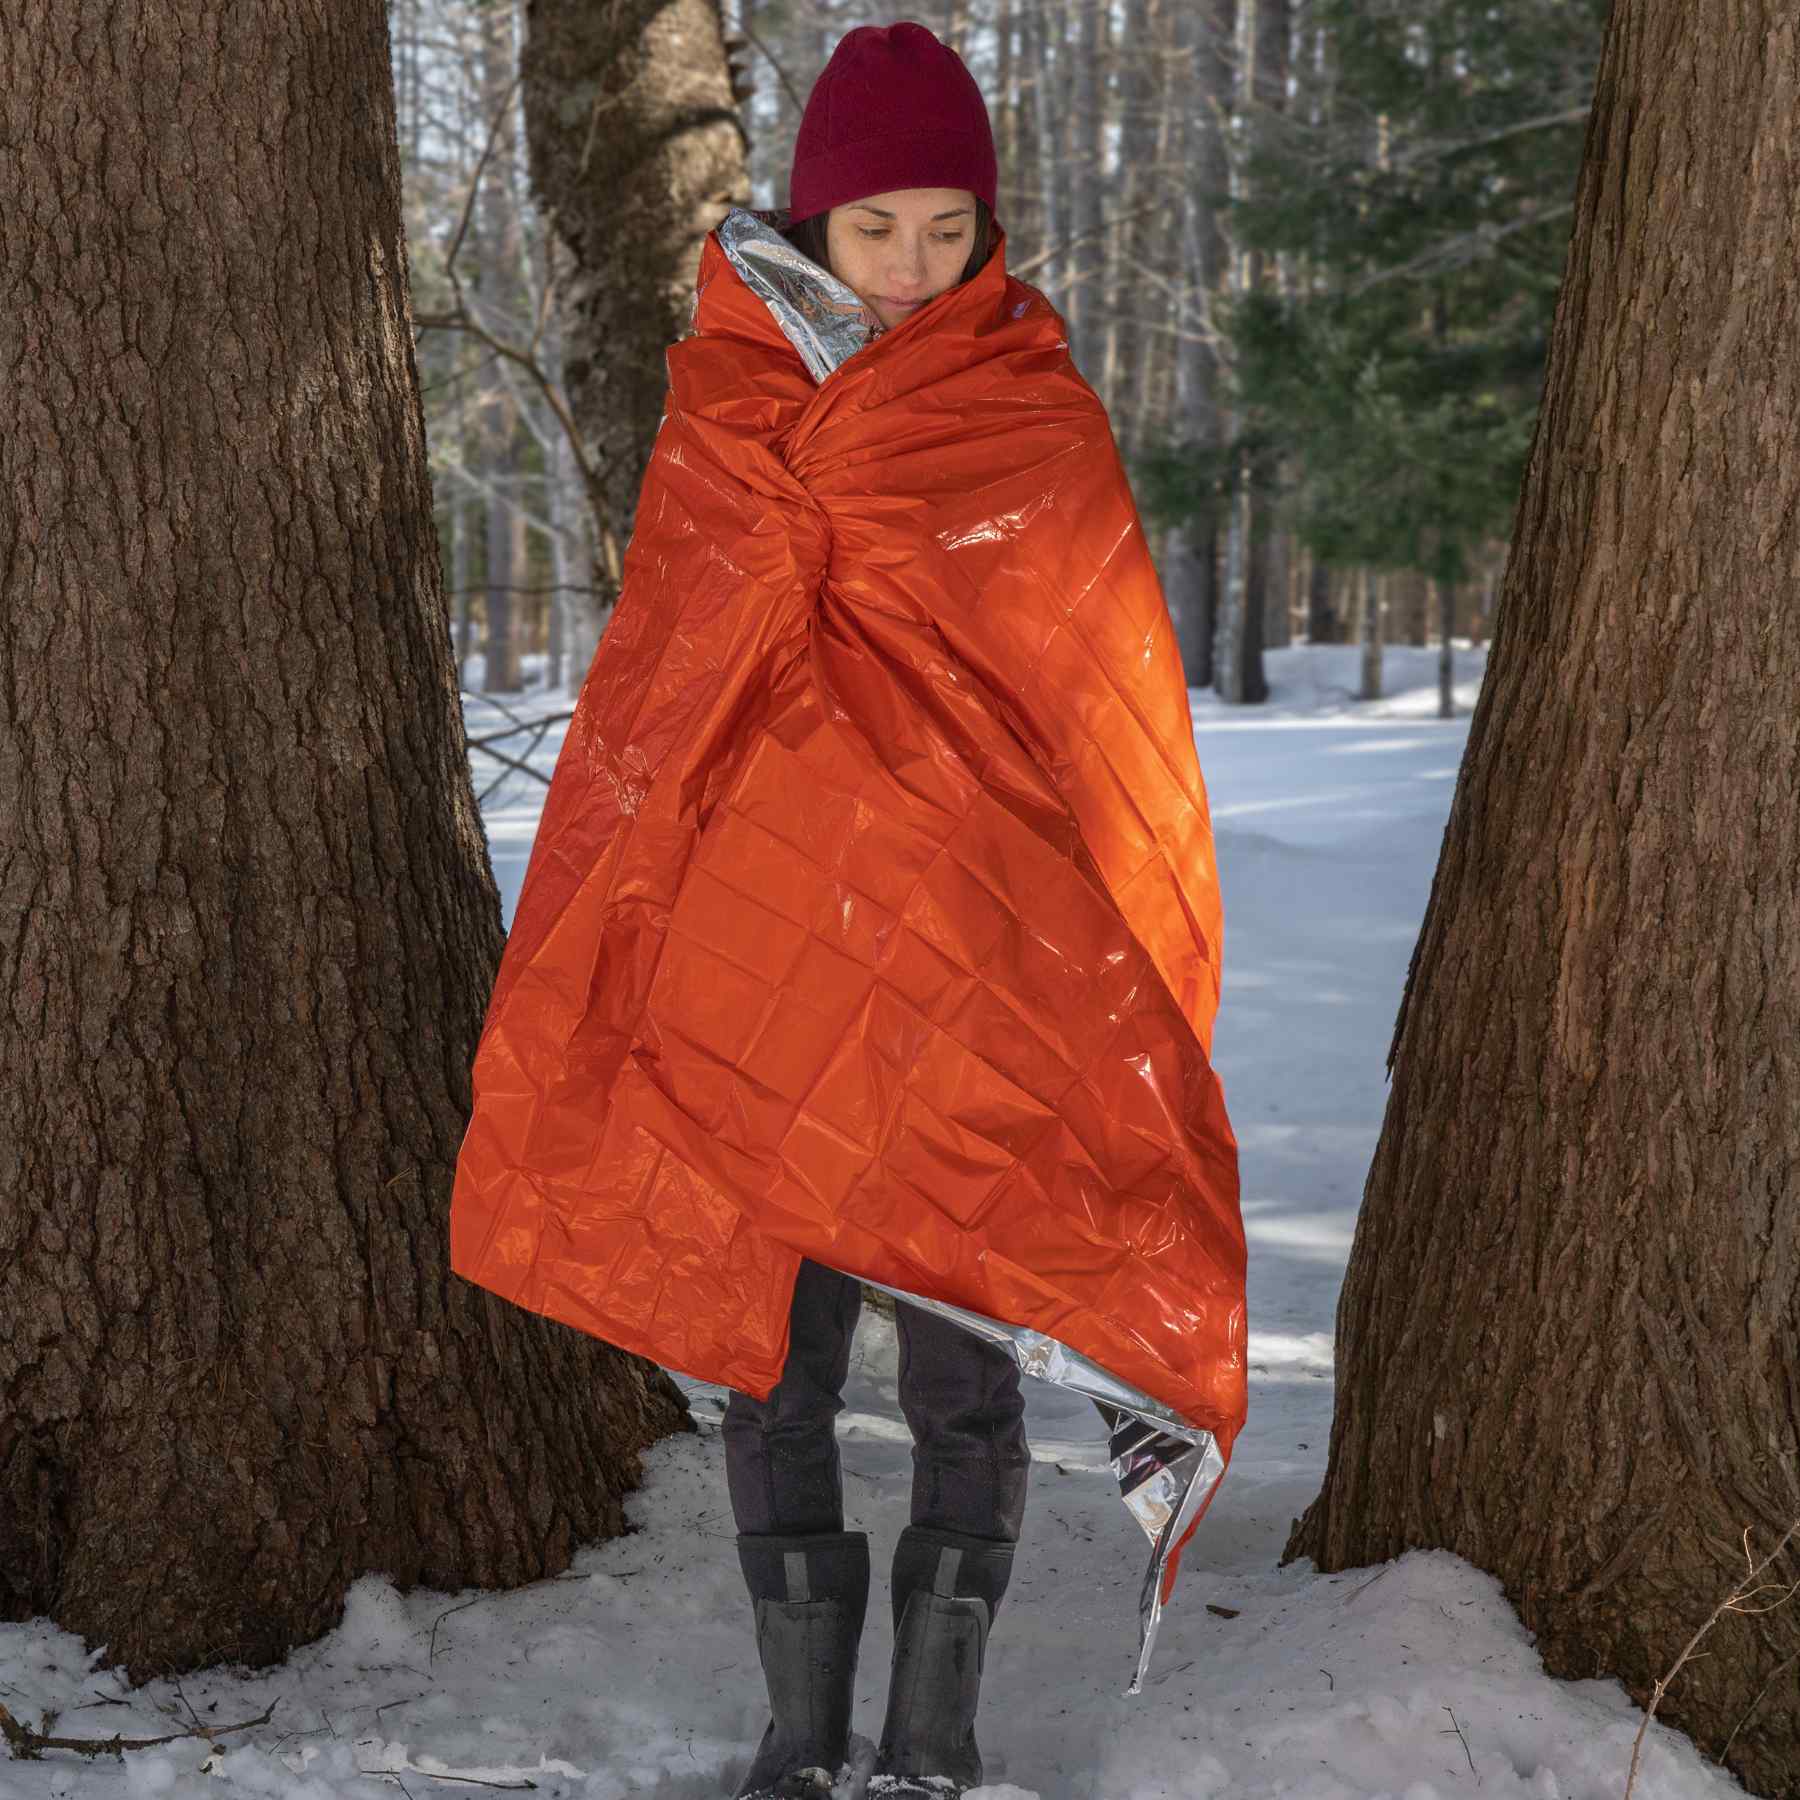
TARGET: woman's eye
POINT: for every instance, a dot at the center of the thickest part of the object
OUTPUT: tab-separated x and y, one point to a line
942	237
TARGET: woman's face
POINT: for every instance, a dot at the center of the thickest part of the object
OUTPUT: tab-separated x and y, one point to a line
901	249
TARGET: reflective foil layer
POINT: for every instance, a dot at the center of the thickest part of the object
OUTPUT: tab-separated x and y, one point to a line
820	315
1167	1470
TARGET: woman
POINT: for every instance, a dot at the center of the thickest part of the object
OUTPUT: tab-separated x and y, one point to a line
871	929
892	190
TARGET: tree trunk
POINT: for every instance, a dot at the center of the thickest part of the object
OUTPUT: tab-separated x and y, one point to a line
1414	598
1087	133
1190	582
571	563
500	673
1568	1347
1003	106
1238	632
636	153
1057	28
1446	598
462	579
1369	622
498	244
1193	567
1238	653
1046	158
1276	610
1133	245
247	926
1321	617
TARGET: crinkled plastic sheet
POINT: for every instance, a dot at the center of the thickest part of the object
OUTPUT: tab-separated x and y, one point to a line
1166	1469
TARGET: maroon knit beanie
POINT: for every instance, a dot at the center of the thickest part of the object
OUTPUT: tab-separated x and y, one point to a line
894	109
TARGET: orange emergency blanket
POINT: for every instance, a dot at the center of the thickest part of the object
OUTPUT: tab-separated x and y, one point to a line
873	915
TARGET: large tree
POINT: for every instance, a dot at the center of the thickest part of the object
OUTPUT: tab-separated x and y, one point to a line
1568	1344
247	927
637	151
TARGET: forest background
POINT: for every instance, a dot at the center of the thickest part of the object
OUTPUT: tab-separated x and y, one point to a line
1308	252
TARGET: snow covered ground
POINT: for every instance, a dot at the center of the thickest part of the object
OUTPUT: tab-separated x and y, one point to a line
635	1674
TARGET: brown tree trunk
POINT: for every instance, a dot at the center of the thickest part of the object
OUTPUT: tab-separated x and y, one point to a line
1238	667
1568	1344
637	151
1446	599
1191	565
1085	290
1042	140
1003	106
1276	609
462	579
1321	616
500	642
499	245
1371	629
1412	601
1132	248
247	926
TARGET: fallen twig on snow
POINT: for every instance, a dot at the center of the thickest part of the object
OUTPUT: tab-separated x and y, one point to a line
393	1775
28	1745
1470	1754
435	1623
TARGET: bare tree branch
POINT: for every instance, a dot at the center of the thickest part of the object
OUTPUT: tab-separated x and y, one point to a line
1453	252
1737	1600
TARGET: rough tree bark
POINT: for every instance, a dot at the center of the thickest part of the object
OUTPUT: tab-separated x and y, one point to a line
637	151
1568	1344
247	926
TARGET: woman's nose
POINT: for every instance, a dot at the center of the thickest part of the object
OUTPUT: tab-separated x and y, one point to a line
908	265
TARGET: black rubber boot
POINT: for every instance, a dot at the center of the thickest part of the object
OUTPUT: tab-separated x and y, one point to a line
810	1595
947	1588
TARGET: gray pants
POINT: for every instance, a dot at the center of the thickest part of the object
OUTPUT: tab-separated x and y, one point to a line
960	1395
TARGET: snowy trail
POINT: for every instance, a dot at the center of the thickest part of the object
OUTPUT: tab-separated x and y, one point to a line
635	1675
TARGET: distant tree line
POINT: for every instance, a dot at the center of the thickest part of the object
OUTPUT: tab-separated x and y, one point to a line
1307	250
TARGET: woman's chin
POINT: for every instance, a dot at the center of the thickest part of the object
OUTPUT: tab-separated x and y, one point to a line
890	316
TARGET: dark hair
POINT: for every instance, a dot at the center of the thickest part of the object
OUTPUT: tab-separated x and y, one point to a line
808	237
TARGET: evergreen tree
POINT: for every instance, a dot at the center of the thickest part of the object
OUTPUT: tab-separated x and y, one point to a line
1424	202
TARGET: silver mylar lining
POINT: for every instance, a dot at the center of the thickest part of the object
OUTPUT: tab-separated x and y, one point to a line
1166	1469
821	316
